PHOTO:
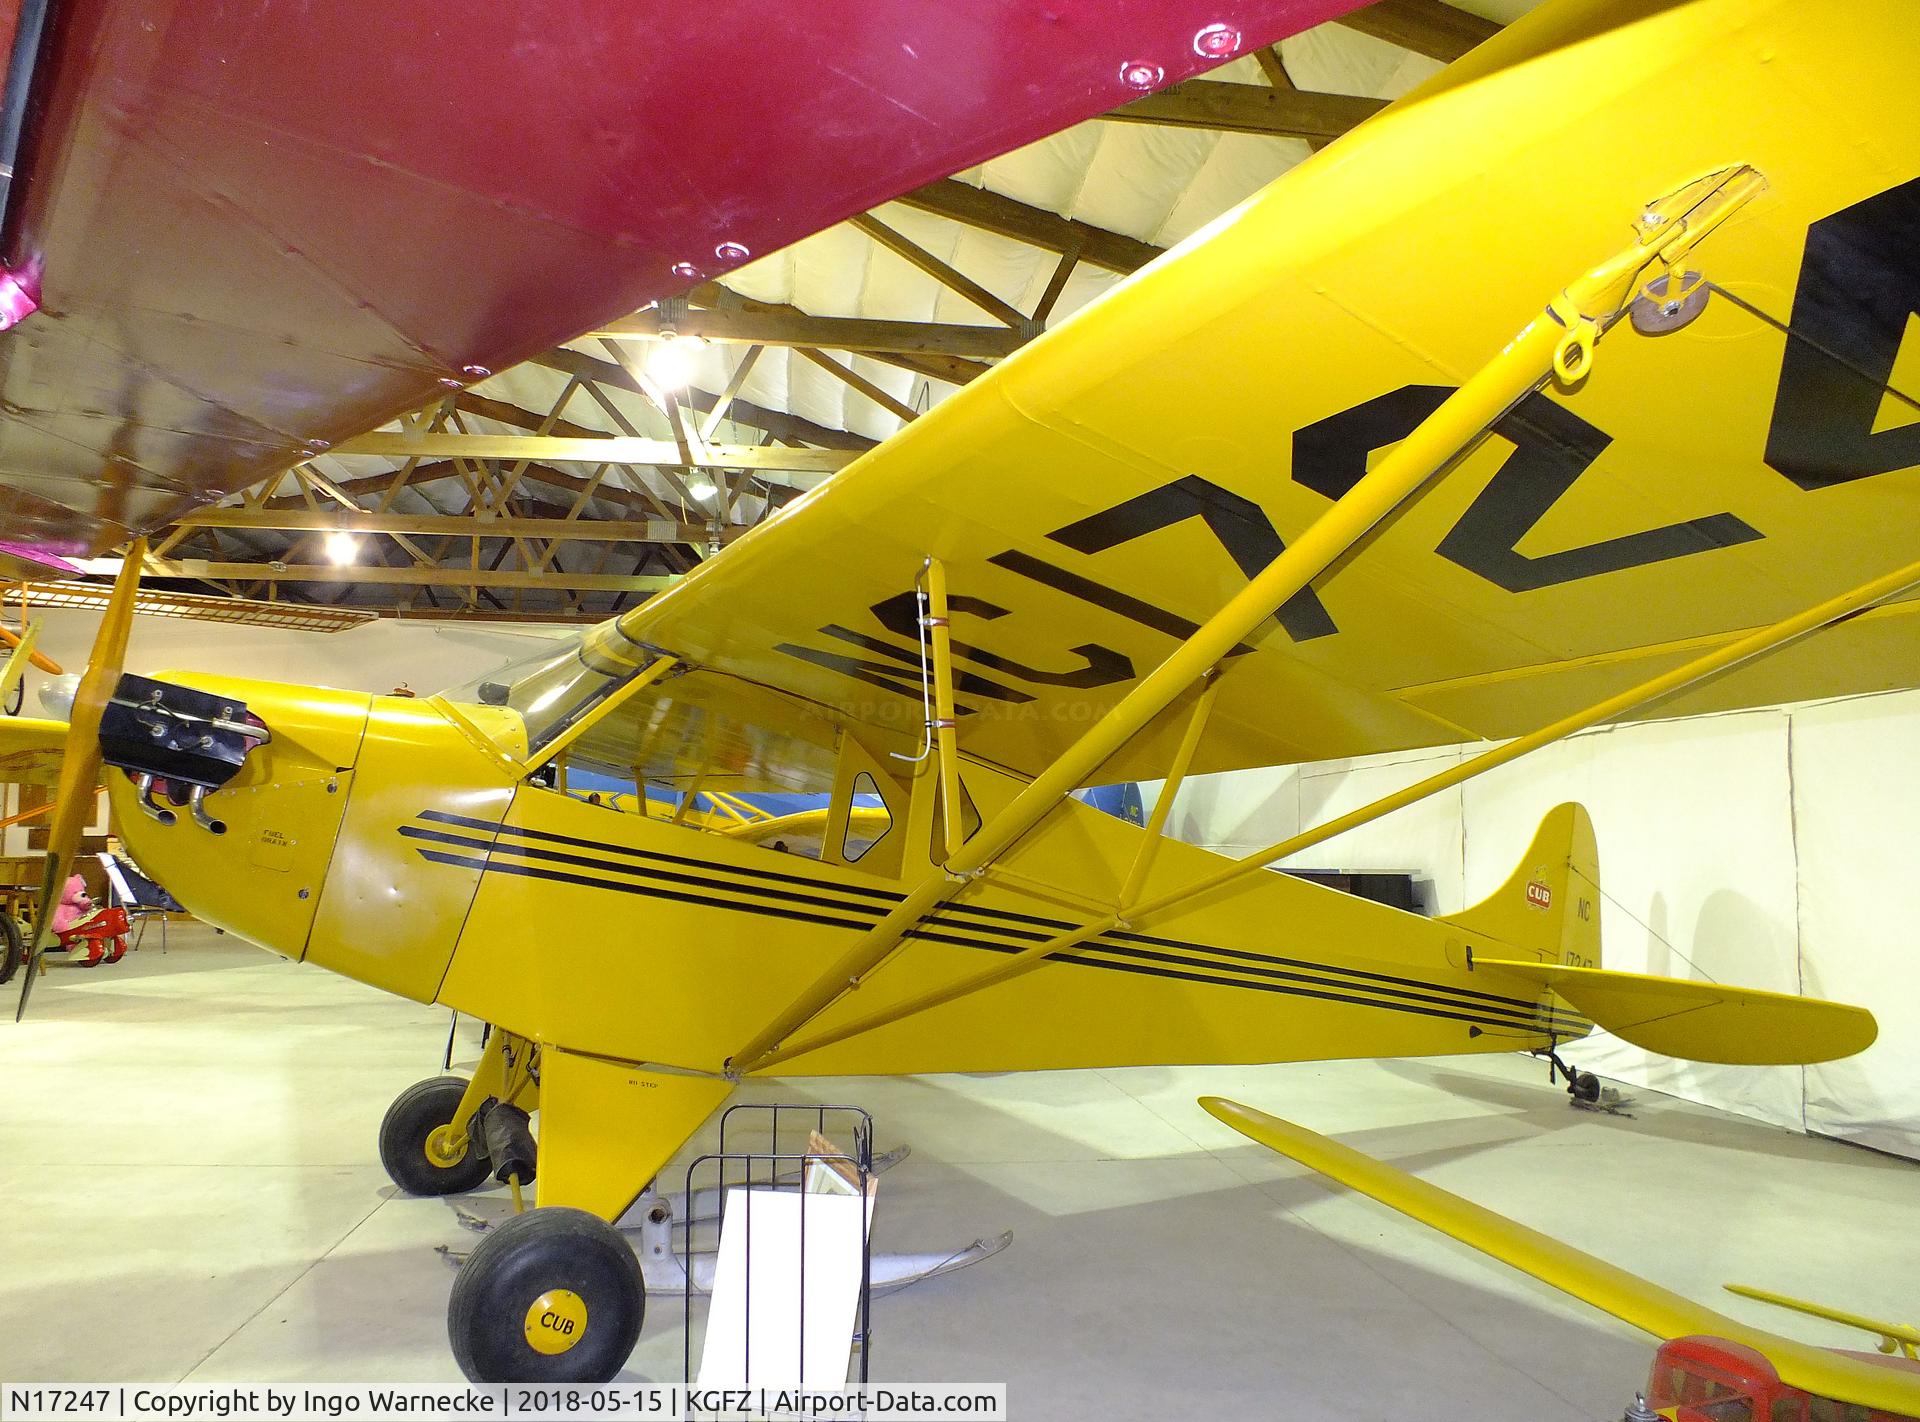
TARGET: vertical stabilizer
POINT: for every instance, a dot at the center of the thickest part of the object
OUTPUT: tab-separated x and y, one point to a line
1549	908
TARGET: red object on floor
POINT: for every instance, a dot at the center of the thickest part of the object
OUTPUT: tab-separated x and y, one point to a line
103	935
1701	1379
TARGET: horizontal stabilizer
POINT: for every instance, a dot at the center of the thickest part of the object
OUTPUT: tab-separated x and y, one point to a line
30	750
1702	1021
1626	1296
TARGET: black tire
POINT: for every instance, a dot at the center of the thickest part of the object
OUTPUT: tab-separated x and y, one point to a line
12	946
500	1293
1585	1087
417	1113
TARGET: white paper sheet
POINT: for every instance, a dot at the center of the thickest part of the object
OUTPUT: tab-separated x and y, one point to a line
755	1321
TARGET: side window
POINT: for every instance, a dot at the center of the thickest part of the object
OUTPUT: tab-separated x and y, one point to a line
708	753
969	819
868	819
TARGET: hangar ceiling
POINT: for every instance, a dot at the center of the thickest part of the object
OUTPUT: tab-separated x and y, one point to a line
595	474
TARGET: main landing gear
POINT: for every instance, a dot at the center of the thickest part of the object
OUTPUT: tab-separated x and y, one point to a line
415	1138
552	1294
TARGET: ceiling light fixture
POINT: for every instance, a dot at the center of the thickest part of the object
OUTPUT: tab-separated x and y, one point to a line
342	548
671	362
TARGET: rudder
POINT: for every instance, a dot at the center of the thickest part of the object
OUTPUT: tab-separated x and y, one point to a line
1548	909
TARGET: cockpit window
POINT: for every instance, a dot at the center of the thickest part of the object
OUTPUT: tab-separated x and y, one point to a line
561	683
695	747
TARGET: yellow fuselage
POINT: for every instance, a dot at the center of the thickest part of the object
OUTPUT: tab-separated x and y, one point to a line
379	838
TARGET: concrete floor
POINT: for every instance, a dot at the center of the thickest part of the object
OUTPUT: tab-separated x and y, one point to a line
193	1194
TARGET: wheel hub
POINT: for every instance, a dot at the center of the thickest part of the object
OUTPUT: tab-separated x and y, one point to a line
445	1146
555	1321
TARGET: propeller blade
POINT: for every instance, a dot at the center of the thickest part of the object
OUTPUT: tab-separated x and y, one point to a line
80	761
22	644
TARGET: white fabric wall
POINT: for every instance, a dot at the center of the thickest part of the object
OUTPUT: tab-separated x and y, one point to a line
1856	778
1770	848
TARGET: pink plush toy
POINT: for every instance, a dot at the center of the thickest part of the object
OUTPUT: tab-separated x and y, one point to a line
89	935
74	905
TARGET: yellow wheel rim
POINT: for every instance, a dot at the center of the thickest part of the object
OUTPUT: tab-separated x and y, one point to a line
556	1321
444	1148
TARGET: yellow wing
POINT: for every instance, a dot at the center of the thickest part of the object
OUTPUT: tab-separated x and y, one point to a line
30	750
1700	1021
1628	1297
1116	481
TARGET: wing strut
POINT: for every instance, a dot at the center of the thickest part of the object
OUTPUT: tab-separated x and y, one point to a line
1903	1338
1176	777
1133	911
945	723
1741	649
22	655
1556	344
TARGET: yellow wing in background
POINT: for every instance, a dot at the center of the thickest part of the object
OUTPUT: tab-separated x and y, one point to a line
30	750
1702	1021
1608	1287
1116	481
1902	1337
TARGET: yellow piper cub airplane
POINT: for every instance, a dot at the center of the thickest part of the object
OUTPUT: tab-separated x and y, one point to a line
1327	480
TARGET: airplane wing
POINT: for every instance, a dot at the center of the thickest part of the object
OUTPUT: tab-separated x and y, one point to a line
1118	480
1608	1287
30	750
253	231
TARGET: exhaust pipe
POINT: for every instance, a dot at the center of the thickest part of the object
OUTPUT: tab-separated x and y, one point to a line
144	783
199	812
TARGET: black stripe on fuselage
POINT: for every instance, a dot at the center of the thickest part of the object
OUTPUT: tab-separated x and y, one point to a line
1497	1002
547	837
677	887
671	876
530	871
1407	991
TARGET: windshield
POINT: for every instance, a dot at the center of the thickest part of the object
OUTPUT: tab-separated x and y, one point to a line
562	682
